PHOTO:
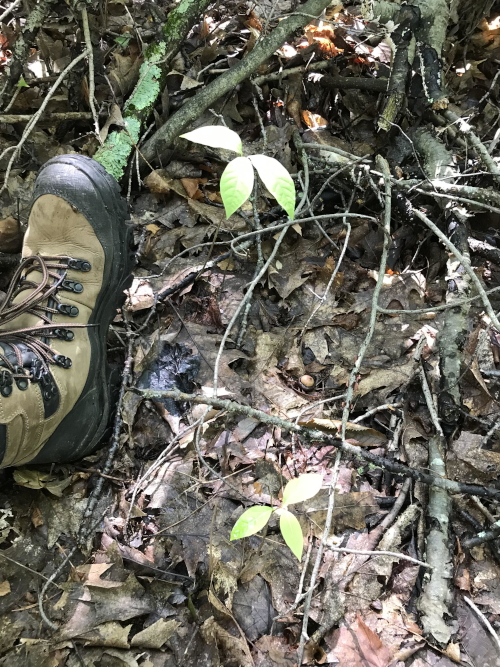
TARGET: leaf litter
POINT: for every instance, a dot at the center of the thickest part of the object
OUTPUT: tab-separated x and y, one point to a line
159	582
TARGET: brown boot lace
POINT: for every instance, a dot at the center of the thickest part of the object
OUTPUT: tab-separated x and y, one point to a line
27	354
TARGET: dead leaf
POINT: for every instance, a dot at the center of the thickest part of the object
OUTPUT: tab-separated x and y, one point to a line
4	588
358	646
36	517
115	118
313	120
159	182
155	635
140	295
235	648
191	185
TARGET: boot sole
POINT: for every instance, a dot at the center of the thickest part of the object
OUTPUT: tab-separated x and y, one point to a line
81	431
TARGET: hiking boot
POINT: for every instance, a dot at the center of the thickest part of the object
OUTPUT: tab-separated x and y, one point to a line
76	262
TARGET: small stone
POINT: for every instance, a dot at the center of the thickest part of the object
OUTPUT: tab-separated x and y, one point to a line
11	238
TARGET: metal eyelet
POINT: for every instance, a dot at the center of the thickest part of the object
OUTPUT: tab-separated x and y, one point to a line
79	264
5	383
61	360
72	286
23	382
37	370
64	334
48	392
66	309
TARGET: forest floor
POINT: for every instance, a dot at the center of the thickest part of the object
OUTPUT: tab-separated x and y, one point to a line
358	341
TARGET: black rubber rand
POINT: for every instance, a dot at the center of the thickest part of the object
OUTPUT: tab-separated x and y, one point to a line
86	185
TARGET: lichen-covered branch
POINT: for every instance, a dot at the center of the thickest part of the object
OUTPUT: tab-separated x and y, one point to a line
115	153
436	595
227	81
434	601
454	333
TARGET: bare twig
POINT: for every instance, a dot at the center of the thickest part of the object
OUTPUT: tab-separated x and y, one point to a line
479	147
350	392
394	554
90	52
485	621
10	9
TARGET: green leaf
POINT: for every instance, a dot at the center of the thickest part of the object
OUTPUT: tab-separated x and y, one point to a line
251	521
22	83
216	136
277	180
292	532
236	184
301	488
123	40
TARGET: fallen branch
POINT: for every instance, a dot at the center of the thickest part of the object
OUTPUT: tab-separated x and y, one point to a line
88	44
483	536
464	193
318	436
55	117
434	601
284	73
10	9
402	37
206	97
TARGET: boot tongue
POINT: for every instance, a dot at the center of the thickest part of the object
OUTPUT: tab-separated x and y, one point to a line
28	357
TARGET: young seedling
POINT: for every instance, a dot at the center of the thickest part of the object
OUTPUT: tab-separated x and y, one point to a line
236	183
255	518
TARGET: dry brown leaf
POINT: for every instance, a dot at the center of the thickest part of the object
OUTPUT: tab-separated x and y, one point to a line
358	646
155	635
313	120
36	517
159	182
4	588
140	295
191	187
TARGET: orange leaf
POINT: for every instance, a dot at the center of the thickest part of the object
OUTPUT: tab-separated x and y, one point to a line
313	120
